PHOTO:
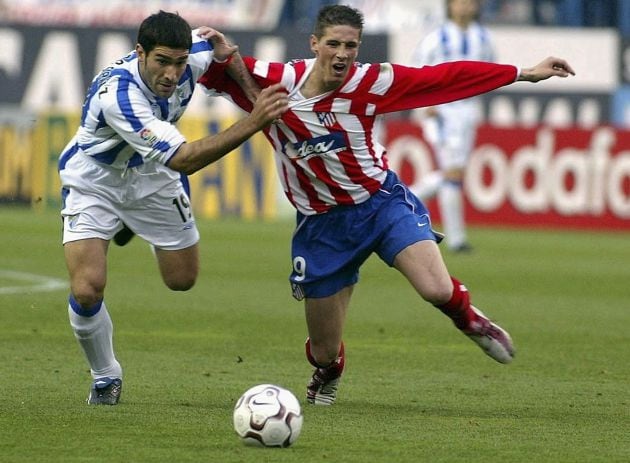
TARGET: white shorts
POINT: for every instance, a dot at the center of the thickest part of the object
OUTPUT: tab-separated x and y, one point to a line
149	199
452	134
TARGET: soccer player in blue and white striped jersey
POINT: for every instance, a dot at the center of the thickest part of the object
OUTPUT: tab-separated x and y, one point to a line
451	128
124	166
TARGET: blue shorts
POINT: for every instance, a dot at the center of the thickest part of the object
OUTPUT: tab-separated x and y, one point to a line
328	249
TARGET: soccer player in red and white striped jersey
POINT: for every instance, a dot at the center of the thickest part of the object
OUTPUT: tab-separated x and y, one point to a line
349	204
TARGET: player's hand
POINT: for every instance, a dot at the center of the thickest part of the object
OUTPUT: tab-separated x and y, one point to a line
222	48
430	111
549	67
271	104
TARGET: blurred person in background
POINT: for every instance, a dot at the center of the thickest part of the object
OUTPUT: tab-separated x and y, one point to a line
301	15
451	128
349	204
124	165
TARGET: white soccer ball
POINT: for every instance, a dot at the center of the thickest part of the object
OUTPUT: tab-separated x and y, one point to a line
268	415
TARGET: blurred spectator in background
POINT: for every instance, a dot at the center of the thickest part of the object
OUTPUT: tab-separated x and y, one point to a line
451	128
572	13
255	14
301	14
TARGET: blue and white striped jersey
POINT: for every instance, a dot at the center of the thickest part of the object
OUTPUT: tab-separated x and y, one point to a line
124	124
451	43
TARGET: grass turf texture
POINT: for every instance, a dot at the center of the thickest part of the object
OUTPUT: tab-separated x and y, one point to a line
415	389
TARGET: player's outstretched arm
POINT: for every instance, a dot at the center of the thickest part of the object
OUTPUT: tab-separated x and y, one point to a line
224	51
547	68
191	157
238	71
222	48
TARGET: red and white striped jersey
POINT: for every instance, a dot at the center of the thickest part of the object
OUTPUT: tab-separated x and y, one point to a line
326	147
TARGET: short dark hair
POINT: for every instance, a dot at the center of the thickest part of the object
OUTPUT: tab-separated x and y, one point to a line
337	15
166	29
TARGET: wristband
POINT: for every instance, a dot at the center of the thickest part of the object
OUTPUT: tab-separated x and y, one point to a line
226	61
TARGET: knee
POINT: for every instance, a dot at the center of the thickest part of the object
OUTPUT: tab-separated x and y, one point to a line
455	174
181	284
87	295
179	269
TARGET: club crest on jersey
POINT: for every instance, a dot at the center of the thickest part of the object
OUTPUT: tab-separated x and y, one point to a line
148	136
72	220
332	142
327	119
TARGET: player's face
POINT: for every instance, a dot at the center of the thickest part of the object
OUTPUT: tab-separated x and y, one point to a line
335	53
162	68
463	11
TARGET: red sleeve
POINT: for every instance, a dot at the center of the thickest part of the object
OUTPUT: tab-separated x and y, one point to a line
433	85
216	78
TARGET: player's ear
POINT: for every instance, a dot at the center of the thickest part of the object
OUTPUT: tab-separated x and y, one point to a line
314	44
140	52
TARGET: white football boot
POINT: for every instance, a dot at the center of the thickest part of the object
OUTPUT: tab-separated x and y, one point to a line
493	340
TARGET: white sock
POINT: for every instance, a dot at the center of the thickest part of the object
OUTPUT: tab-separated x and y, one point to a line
427	186
452	212
94	333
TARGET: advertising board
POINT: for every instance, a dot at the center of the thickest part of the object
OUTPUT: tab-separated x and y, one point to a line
536	176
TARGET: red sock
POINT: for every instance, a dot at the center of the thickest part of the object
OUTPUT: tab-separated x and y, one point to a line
458	306
333	369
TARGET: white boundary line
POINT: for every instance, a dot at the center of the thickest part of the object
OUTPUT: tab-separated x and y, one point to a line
37	283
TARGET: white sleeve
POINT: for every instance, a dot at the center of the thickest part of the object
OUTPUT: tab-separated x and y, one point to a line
201	54
425	52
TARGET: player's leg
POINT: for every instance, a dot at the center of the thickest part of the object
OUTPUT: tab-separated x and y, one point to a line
89	222
410	245
459	132
325	319
451	204
423	266
124	235
428	183
179	268
427	186
166	221
89	318
327	253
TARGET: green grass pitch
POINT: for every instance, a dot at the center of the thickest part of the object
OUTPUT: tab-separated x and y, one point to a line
415	389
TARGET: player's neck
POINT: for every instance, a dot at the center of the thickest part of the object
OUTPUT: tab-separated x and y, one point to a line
314	87
463	23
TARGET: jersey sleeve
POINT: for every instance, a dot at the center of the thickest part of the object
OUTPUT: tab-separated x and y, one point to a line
200	56
402	88
217	82
127	111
